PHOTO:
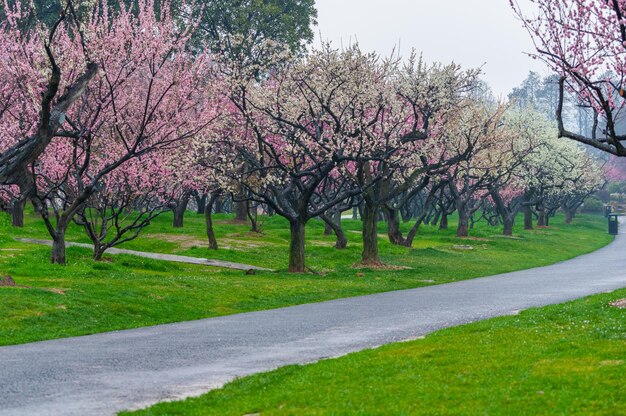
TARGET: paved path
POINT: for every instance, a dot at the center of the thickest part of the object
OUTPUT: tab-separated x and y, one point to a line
157	256
104	373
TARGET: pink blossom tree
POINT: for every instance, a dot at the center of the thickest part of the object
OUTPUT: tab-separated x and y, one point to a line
584	41
36	66
126	201
148	95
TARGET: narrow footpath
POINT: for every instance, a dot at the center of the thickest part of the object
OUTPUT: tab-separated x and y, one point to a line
157	256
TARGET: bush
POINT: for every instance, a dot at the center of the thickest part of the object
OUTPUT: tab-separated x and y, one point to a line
593	205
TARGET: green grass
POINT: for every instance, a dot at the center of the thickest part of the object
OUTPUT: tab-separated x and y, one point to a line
565	359
124	291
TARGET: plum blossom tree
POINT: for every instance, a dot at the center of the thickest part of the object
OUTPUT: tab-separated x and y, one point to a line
148	95
584	41
477	132
34	69
427	96
126	201
506	181
293	132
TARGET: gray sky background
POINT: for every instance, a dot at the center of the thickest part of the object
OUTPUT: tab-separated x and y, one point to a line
468	32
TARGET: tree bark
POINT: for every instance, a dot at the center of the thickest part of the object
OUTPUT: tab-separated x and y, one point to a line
98	251
528	218
179	211
328	229
296	246
508	225
370	235
219	206
334	223
208	220
58	245
443	222
241	211
393	227
201	201
17	212
462	229
542	221
569	215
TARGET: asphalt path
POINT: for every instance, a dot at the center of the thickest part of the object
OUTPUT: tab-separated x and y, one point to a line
105	373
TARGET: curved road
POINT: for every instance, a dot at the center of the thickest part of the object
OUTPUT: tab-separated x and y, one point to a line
105	373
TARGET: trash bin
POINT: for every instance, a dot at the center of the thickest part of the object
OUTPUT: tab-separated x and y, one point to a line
613	224
607	211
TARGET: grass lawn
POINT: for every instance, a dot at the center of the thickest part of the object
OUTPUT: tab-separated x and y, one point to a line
123	291
567	359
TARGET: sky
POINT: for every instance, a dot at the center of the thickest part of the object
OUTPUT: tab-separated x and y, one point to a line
472	33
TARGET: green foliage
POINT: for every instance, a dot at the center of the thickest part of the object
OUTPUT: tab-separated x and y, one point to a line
124	291
565	359
617	187
593	205
285	21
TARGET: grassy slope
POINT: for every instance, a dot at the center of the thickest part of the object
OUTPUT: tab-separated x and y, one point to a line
126	291
559	360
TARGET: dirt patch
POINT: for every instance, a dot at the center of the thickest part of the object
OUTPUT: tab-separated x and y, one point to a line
232	221
183	241
611	363
317	243
242	245
379	266
620	303
508	237
53	290
188	241
474	238
361	232
7	281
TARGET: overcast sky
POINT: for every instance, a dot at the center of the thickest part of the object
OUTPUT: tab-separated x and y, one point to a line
469	32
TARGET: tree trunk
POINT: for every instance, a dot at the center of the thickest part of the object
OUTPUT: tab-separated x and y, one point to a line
219	206
179	211
201	202
296	246
17	212
253	216
370	235
98	251
462	229
413	232
208	220
334	223
569	215
542	221
241	211
505	213
393	227
58	246
528	218
443	222
355	213
328	229
508	225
